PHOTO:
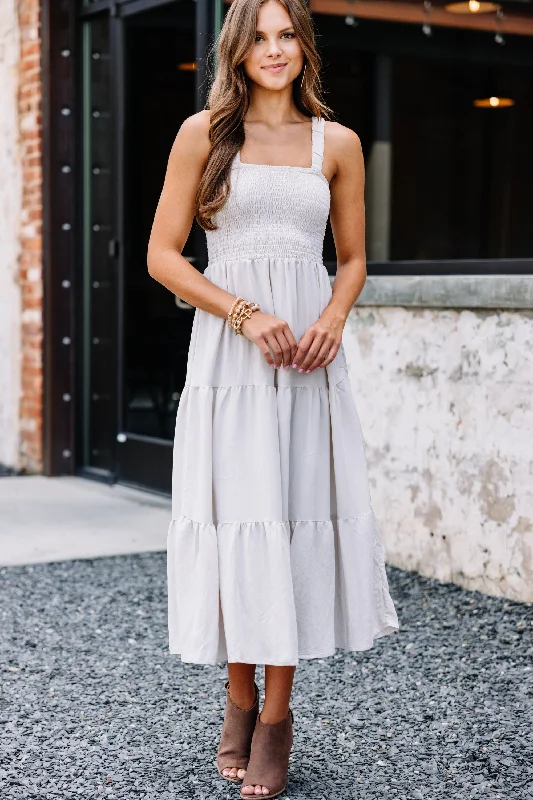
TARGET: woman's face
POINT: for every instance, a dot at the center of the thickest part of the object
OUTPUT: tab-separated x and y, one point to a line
276	58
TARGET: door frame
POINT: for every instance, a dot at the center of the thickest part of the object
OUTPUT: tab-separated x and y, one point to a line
60	171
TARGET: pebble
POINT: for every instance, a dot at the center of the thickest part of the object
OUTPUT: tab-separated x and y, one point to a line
93	705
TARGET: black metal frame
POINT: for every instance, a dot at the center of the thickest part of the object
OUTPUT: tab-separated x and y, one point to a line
119	98
97	9
59	233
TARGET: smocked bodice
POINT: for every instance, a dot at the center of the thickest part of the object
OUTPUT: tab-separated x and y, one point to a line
274	211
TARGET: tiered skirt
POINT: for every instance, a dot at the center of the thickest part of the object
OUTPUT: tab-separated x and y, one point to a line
274	551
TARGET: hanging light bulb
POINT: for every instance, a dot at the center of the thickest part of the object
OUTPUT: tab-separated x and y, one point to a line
426	27
498	36
350	18
472	7
494	102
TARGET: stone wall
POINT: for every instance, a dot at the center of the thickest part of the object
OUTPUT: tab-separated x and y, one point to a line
445	399
10	205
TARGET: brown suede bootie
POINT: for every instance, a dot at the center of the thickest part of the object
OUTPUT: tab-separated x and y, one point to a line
269	757
236	737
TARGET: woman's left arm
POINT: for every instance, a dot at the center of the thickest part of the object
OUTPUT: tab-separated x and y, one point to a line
320	343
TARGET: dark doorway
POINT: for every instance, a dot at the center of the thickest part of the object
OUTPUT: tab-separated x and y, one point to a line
160	56
140	79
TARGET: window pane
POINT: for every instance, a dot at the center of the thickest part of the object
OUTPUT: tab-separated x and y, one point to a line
459	172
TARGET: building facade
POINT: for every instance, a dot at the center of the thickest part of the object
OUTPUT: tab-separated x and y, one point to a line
93	351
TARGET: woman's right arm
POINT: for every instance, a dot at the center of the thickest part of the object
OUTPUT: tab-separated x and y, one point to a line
170	229
174	217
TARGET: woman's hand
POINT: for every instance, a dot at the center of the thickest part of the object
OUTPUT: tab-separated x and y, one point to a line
320	343
273	337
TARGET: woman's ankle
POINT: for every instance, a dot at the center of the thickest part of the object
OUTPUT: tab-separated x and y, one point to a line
243	697
271	716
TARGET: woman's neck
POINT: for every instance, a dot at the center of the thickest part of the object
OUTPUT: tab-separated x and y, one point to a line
272	108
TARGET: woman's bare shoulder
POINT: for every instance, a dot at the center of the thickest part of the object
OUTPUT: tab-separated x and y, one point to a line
193	136
342	142
197	124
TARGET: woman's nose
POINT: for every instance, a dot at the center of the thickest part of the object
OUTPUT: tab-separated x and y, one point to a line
273	47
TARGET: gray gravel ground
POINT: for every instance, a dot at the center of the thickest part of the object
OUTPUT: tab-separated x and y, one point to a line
93	706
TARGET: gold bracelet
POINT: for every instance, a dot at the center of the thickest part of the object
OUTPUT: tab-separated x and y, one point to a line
239	305
232	309
242	313
242	310
247	314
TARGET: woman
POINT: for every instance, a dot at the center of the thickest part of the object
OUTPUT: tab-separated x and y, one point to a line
273	549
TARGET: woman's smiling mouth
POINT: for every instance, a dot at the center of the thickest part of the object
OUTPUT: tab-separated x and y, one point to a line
275	68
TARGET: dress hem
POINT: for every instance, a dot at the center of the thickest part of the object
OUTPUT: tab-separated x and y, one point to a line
389	629
305	595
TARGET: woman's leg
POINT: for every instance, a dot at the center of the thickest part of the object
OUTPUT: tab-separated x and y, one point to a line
242	692
278	688
241	684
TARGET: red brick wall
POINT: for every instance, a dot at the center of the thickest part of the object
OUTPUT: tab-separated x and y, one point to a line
30	274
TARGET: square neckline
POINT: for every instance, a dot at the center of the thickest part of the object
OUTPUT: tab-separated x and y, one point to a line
312	168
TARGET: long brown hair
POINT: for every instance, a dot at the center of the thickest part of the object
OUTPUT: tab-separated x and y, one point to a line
228	98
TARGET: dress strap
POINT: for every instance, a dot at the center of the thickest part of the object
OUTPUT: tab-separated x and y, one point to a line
318	142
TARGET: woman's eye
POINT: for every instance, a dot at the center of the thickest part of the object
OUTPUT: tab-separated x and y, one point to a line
258	38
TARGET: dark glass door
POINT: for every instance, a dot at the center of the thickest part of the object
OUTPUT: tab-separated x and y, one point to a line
139	84
159	77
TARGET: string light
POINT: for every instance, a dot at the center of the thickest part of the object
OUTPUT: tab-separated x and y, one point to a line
472	7
426	27
350	18
494	102
498	36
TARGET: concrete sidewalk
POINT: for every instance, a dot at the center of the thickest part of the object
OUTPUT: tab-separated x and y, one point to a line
59	519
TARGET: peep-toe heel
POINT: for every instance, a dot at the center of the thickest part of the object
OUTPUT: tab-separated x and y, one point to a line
236	737
269	757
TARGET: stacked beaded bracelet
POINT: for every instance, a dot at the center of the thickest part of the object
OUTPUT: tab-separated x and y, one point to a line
239	311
